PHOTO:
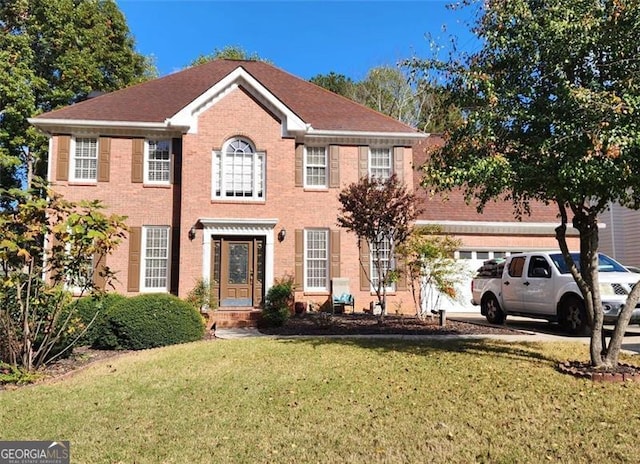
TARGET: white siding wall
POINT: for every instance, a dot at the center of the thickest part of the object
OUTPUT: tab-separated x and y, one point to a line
620	236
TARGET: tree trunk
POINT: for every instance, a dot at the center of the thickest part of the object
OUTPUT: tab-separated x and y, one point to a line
602	355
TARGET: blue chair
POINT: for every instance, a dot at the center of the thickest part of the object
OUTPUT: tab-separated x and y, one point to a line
340	295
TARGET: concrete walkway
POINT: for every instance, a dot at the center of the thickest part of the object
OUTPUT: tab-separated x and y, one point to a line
533	330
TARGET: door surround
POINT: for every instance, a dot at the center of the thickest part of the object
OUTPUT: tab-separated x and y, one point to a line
239	227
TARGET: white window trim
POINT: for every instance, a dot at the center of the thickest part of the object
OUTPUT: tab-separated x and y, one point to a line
369	164
72	159
146	164
255	180
143	261
326	169
70	285
372	268
306	258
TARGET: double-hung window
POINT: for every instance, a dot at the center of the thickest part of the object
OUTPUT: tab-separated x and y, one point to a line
80	278
315	172
84	159
384	256
238	172
157	162
155	259
316	259
380	163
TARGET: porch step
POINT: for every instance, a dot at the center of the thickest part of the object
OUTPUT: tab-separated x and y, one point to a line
234	317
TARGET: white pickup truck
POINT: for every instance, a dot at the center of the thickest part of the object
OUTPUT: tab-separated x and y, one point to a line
539	285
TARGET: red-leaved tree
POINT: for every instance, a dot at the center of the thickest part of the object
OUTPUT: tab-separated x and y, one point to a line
380	212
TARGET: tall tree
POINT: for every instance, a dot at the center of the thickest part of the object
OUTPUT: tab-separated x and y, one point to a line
336	83
54	53
388	90
550	103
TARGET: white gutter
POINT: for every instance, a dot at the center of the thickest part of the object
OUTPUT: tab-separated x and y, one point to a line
495	227
46	122
311	132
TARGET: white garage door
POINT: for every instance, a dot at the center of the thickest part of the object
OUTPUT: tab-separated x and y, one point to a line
471	261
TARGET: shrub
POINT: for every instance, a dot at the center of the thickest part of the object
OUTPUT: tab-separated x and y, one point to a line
277	306
91	312
202	296
15	375
149	321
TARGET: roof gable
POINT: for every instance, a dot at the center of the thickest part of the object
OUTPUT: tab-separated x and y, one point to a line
175	100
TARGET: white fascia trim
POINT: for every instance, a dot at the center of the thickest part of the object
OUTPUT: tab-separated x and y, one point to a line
188	116
74	123
397	135
235	222
498	228
50	160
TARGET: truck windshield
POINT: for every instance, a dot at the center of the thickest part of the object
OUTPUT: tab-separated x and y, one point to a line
605	264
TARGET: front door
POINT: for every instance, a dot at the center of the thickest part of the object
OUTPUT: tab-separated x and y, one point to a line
238	270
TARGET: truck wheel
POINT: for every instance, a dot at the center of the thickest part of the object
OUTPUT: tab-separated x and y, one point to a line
492	310
574	316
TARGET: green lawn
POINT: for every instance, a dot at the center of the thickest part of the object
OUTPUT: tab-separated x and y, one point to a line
335	401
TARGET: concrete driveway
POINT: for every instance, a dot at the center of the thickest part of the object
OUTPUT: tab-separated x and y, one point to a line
548	331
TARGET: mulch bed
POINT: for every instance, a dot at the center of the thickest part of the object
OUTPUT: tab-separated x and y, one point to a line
366	324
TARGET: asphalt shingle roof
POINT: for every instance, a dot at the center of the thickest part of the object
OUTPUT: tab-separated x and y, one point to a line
159	99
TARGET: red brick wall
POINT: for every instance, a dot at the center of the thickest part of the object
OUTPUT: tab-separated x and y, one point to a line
142	204
452	207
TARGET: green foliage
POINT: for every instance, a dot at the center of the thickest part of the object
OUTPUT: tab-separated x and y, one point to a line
230	52
431	268
34	273
54	53
336	83
14	375
388	90
550	104
202	296
278	303
150	321
90	316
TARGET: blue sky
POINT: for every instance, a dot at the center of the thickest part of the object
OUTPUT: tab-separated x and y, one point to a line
303	37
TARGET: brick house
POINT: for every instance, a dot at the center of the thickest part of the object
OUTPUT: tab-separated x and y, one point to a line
228	172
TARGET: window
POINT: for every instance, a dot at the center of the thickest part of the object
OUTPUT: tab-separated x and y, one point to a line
539	267
155	262
84	161
315	173
238	172
157	162
466	254
81	278
316	261
380	163
385	255
516	266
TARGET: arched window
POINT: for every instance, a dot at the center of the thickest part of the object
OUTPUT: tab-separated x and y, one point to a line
238	171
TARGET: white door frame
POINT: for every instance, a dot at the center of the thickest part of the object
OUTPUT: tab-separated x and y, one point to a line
239	227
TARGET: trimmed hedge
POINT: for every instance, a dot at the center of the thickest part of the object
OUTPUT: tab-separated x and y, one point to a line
150	321
86	308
